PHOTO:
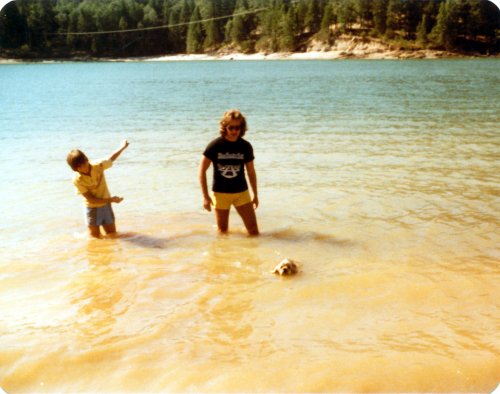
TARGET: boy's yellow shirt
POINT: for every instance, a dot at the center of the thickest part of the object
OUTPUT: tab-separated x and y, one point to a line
95	183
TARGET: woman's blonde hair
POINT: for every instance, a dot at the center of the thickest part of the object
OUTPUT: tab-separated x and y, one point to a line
232	114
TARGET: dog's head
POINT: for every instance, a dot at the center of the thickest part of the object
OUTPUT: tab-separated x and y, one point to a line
286	267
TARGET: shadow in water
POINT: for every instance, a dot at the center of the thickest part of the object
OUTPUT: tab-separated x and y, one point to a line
152	241
144	240
290	235
296	236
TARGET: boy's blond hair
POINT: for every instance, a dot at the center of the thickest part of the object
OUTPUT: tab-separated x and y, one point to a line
76	158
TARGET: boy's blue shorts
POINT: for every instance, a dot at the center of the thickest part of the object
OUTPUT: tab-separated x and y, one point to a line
100	216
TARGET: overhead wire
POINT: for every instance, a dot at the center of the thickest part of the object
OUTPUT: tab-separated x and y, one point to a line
160	27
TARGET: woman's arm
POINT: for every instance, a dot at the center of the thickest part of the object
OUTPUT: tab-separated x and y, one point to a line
202	176
252	177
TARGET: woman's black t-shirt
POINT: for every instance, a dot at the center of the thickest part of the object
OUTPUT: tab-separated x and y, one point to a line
229	159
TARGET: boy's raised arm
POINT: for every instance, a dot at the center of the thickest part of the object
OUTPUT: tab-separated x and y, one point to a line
117	153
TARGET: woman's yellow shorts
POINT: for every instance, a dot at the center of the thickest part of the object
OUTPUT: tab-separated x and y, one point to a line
225	200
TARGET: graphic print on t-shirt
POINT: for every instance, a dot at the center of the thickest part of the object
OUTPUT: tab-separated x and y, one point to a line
229	171
229	160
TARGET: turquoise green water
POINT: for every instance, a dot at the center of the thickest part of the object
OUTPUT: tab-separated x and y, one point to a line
381	178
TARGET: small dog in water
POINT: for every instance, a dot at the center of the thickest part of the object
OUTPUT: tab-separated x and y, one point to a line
286	267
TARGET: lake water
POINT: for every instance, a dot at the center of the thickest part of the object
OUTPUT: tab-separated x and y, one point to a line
381	178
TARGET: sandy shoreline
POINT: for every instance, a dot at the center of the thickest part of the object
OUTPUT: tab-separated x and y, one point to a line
311	55
376	54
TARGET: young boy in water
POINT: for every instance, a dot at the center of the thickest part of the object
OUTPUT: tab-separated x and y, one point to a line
90	182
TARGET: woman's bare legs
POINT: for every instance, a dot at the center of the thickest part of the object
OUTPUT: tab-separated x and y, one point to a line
249	218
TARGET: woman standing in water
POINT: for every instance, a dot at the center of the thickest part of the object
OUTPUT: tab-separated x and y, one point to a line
230	155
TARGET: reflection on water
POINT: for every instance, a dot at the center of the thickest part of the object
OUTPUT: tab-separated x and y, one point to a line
97	294
224	310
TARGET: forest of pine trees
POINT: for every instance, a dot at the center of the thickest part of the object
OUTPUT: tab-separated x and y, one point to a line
48	28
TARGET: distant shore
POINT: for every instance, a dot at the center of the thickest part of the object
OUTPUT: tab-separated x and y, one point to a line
353	48
312	55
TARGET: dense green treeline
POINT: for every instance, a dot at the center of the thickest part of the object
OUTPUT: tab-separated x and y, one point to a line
52	28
